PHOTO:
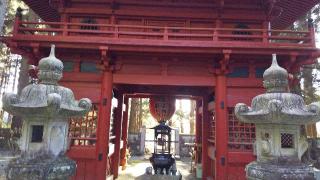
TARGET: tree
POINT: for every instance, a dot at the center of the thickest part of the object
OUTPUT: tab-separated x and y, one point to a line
134	116
181	115
192	117
139	111
308	74
12	65
3	7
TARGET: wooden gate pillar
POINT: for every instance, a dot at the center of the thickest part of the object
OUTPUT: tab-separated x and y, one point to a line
103	129
221	114
206	165
118	130
221	111
104	124
123	158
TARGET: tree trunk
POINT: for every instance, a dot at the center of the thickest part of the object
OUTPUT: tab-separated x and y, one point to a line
140	113
23	75
136	115
23	81
181	126
192	116
309	96
308	90
181	116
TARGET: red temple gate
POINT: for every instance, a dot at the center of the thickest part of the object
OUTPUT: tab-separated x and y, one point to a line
237	147
197	50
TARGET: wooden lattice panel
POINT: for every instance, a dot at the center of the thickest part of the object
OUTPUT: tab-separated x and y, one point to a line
241	135
112	133
82	131
212	133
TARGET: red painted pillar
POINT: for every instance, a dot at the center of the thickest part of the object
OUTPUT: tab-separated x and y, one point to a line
104	125
198	132
205	136
117	129
123	157
265	31
221	112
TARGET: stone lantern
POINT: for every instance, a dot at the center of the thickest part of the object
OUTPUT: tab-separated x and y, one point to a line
45	109
279	117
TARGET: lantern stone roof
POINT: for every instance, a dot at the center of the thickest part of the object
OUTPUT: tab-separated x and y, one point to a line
287	10
277	106
46	99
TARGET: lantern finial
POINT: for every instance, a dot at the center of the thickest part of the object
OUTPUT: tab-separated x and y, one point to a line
275	77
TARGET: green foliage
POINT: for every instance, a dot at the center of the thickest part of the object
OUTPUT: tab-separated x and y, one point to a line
315	15
11	12
9	63
309	79
7	29
308	74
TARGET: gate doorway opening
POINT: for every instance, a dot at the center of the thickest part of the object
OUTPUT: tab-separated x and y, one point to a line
186	122
141	138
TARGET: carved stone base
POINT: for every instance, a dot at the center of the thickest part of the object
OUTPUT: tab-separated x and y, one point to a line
5	159
43	167
268	171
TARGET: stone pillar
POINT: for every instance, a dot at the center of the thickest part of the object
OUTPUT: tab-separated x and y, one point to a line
103	128
123	153
143	139
118	130
177	142
221	113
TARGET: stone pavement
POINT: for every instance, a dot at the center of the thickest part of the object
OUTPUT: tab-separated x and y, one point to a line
137	165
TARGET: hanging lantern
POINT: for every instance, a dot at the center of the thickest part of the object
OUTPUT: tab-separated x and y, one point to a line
162	107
